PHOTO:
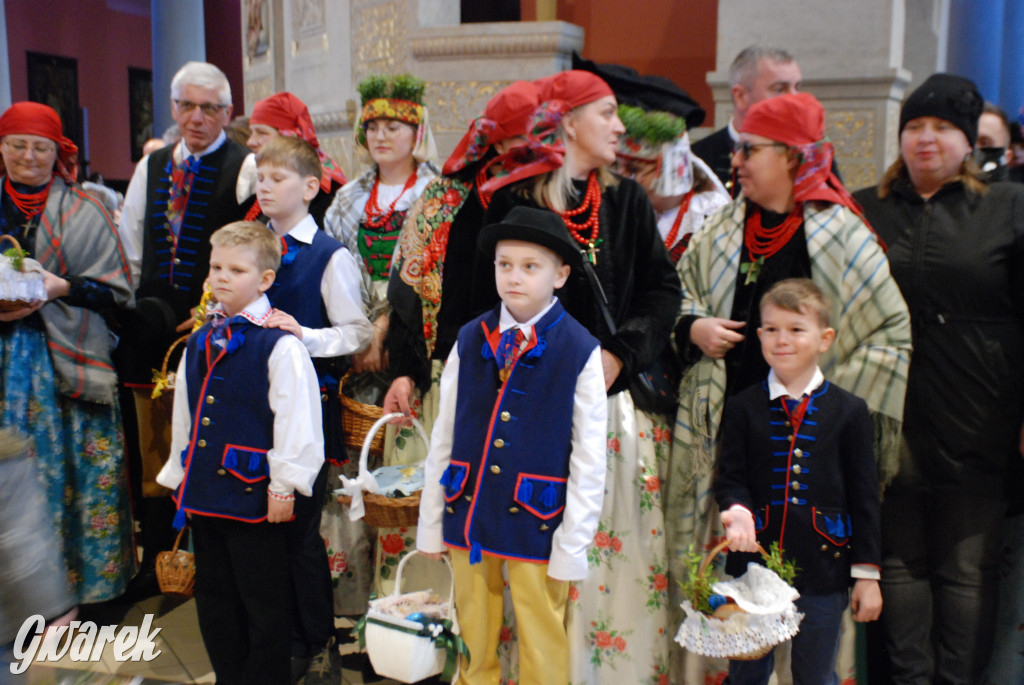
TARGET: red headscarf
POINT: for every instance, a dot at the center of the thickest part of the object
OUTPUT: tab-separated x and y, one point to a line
798	120
289	115
543	152
35	119
507	115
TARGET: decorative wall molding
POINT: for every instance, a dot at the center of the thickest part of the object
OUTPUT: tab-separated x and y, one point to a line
453	103
379	43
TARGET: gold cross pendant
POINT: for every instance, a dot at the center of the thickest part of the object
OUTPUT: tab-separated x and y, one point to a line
592	251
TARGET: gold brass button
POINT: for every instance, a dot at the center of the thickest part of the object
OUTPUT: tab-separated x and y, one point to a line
798	453
450	510
837	555
495	469
797	469
176	286
824	548
499	443
248	490
170	239
201	443
513	510
544	526
209	399
788	424
323	397
468	498
221	472
177	261
505	416
789	438
205	421
796	485
794	500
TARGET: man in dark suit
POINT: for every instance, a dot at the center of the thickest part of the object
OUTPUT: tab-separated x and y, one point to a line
757	73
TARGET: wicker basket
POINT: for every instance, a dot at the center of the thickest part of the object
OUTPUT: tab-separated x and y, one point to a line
176	570
381	511
356	420
14	305
163	393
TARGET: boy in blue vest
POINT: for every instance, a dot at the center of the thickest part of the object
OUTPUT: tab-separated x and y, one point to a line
246	437
288	174
515	472
797	467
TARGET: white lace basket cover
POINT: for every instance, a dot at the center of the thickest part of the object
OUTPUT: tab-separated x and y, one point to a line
771	617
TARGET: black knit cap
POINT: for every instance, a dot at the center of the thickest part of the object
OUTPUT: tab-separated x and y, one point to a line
540	226
946	96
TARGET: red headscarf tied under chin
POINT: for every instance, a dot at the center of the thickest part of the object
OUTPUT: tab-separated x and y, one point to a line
544	151
798	120
35	119
289	115
507	115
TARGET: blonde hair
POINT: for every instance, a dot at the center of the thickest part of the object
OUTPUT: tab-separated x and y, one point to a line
800	296
554	189
295	154
264	243
970	175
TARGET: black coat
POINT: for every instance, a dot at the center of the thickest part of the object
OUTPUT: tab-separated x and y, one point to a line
958	258
821	498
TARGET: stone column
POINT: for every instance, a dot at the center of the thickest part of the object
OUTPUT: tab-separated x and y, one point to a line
179	36
851	56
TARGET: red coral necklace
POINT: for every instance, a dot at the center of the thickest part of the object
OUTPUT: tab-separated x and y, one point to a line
374	217
29	204
591	204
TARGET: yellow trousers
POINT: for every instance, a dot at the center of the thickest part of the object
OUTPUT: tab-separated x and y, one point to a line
539	605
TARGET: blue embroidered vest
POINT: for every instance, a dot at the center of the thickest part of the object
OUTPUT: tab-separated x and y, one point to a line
296	289
506	485
226	469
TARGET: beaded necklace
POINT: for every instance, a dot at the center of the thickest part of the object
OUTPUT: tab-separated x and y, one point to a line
29	204
592	204
374	217
670	239
763	242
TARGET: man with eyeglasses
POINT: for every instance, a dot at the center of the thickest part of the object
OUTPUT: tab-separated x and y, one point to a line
757	73
177	197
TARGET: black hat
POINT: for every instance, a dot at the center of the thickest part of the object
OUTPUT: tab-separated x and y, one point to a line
540	226
946	96
648	92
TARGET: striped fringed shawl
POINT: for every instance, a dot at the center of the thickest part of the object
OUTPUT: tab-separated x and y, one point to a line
869	357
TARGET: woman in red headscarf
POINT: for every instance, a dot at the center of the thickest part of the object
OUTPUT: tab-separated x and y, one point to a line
793	219
59	385
618	629
283	114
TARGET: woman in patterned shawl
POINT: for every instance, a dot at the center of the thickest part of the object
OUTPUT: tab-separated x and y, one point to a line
59	385
793	219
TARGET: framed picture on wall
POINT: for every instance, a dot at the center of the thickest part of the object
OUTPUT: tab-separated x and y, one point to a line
53	81
140	109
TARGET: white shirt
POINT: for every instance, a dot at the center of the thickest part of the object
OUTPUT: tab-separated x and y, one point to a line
133	214
587	463
294	397
350	330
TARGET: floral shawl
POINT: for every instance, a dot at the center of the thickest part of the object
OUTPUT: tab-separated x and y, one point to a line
871	353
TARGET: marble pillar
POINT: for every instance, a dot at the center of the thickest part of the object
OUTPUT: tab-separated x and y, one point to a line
852	58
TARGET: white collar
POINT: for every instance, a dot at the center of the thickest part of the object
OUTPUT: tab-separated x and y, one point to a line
776	389
183	152
733	133
507	321
304	231
258	311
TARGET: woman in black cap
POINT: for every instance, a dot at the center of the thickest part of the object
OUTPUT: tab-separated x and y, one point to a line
956	249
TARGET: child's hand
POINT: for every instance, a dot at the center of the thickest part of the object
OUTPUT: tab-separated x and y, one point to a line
279	511
739	529
866	600
286	322
435	556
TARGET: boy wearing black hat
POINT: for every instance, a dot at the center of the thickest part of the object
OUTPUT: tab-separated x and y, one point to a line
516	467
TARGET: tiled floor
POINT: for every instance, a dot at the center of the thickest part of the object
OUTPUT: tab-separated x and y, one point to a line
182	657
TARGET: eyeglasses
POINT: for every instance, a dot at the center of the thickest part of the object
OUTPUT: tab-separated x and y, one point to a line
20	147
745	147
210	109
389	128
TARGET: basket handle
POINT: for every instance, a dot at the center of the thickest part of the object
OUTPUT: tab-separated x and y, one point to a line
365	480
714	553
177	540
14	241
451	591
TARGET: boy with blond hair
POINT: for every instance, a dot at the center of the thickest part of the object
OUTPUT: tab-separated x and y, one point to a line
797	467
246	437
